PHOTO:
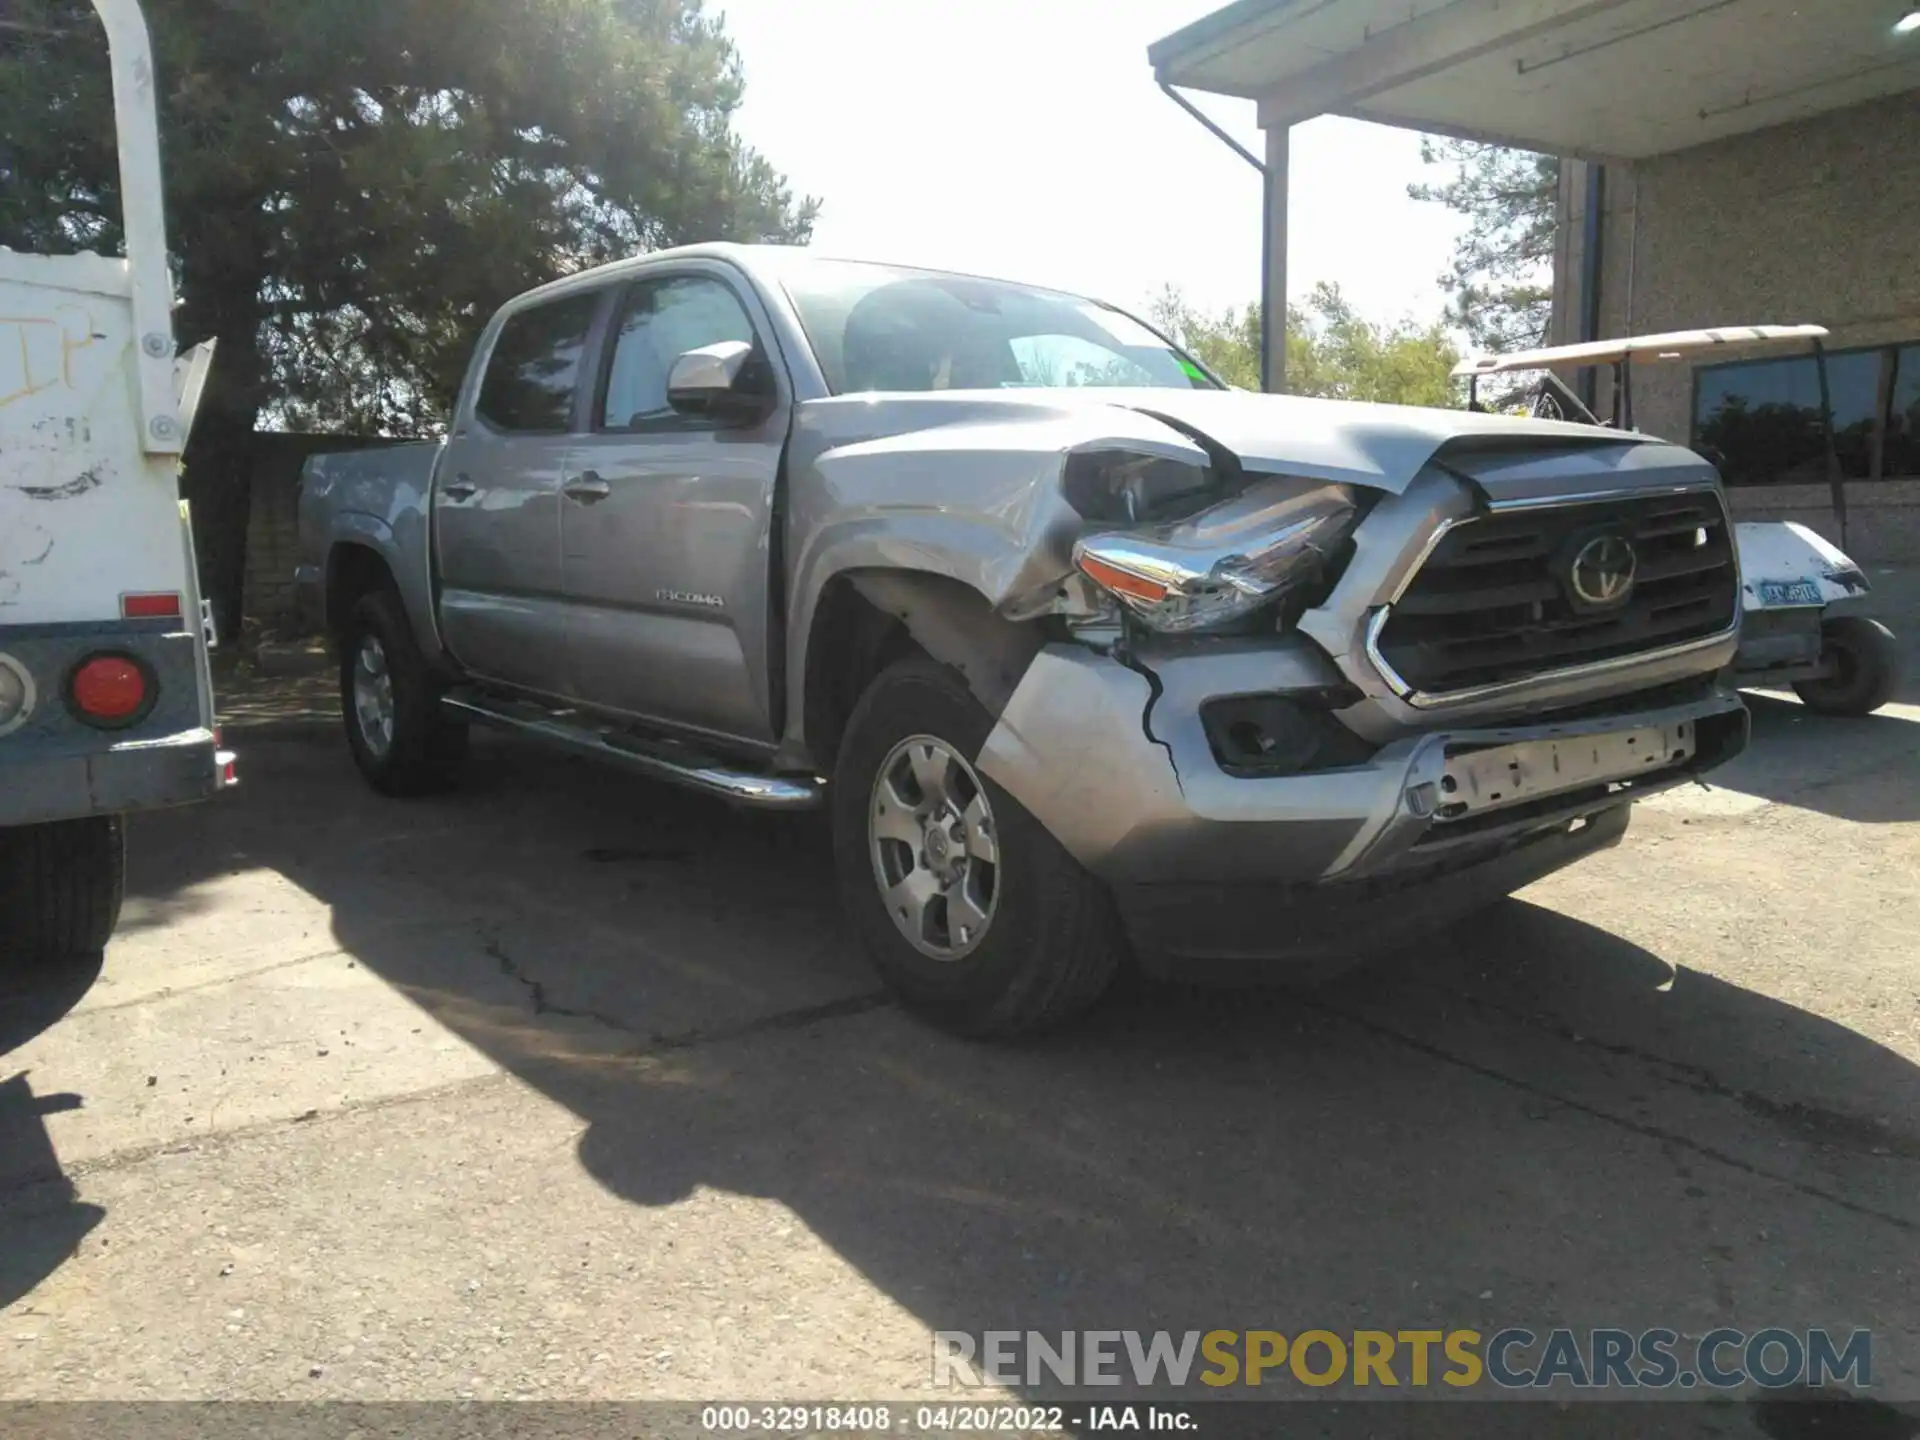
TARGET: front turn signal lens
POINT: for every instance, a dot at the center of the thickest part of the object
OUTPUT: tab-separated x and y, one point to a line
1122	582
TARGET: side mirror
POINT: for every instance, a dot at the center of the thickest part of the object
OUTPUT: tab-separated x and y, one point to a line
724	382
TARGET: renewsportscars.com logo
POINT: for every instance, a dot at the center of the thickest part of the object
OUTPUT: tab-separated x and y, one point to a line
1512	1359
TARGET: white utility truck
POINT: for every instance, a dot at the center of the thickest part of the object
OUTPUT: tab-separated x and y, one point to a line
106	702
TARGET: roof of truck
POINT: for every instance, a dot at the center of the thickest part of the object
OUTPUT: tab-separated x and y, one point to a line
768	261
1671	346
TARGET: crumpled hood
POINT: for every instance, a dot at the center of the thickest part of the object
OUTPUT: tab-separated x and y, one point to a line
1382	447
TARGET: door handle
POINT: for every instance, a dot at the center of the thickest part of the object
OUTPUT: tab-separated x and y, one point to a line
586	487
460	488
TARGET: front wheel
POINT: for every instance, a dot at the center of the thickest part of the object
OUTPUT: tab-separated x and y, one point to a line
61	885
971	911
391	703
1866	668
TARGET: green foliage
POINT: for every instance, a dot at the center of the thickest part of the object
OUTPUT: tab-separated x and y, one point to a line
1227	344
1331	350
354	185
1500	282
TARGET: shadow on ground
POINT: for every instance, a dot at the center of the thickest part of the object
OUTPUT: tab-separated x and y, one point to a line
1864	770
1532	1122
36	1243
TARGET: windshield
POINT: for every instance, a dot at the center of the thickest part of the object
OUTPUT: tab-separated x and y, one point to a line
878	328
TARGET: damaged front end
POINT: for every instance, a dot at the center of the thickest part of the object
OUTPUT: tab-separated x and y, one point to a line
1195	566
1167	546
1193	711
1228	563
1193	746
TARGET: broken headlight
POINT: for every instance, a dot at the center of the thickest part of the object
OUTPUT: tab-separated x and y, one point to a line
1226	562
1117	487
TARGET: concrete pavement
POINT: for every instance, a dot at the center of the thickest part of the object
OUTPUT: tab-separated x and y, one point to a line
568	1086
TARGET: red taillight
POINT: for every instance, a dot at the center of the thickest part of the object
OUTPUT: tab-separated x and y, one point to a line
155	606
108	689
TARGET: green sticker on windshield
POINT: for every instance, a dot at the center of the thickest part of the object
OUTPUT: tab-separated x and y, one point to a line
1194	372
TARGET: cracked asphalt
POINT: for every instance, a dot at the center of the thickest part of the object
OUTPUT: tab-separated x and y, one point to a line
568	1086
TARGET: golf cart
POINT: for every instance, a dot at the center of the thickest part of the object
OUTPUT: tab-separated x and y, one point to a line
1795	584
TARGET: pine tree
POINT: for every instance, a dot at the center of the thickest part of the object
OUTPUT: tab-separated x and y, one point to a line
354	185
1500	284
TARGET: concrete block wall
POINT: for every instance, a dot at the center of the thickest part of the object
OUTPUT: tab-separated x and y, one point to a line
272	521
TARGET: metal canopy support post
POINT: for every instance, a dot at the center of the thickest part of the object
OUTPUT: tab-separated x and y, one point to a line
1591	231
1273	230
1273	264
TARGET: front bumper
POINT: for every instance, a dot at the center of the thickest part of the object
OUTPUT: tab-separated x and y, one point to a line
1178	928
1116	763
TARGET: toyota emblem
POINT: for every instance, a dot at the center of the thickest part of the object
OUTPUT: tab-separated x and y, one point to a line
1602	572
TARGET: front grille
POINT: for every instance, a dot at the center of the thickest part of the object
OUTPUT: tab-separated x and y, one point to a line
1493	603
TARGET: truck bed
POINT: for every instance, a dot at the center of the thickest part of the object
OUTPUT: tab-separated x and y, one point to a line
380	497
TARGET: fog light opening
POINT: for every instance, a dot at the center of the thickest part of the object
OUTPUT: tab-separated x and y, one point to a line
1250	738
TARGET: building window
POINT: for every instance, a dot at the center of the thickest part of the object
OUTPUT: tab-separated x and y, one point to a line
1900	458
1760	421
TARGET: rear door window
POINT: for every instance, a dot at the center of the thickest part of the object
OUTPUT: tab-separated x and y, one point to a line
535	366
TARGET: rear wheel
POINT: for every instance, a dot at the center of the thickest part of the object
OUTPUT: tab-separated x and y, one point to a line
61	885
390	700
971	911
1866	668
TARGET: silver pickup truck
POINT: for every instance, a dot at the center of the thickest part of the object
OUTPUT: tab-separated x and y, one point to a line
1086	653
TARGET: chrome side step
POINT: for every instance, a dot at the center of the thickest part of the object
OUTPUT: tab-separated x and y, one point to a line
659	760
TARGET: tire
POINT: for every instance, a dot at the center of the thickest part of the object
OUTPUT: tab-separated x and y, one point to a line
61	885
1866	664
422	752
1051	941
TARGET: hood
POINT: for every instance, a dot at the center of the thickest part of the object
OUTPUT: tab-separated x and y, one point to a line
1381	447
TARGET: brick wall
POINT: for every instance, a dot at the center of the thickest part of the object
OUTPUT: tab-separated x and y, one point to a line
272	528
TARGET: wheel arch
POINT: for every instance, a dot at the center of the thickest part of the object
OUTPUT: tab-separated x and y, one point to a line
866	619
354	569
363	558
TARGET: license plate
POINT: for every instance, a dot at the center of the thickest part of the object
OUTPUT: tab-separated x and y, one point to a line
1790	592
1504	775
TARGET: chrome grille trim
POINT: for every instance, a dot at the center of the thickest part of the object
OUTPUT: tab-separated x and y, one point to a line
1596	669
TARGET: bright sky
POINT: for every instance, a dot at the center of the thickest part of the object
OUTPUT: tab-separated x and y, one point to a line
1027	139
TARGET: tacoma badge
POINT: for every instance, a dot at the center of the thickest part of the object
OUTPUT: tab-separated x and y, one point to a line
690	597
